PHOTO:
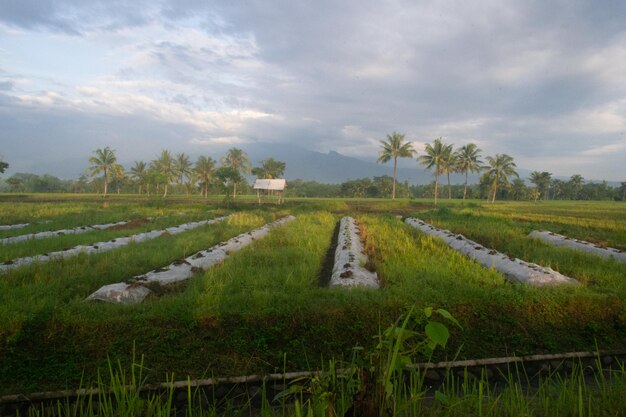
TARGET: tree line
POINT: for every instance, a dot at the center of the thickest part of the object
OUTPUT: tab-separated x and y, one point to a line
499	178
167	169
176	171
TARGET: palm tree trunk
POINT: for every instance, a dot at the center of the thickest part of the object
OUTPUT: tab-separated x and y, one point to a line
436	187
495	190
165	192
234	190
393	189
465	189
105	183
449	187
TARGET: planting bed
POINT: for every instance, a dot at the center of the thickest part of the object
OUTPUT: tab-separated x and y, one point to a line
349	270
267	307
512	268
103	246
13	226
74	231
581	245
137	288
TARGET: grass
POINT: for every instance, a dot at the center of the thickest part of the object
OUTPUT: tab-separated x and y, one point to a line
509	235
266	308
578	390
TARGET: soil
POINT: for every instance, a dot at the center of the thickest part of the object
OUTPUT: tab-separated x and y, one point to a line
131	224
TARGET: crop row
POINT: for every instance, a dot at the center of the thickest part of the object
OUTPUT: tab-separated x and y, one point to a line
268	306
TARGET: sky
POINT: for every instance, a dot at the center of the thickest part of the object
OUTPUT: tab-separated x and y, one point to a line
542	81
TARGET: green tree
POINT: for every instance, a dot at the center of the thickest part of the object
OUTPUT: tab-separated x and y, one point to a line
448	166
166	167
238	160
393	148
138	172
204	170
498	170
435	156
183	169
542	182
576	183
3	166
227	177
468	160
519	191
103	161
270	169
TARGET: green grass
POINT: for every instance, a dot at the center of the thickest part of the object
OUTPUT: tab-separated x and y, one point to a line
264	309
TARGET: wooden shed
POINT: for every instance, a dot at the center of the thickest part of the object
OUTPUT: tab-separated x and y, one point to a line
272	187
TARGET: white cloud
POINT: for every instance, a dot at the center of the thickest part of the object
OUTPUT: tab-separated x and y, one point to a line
605	149
222	140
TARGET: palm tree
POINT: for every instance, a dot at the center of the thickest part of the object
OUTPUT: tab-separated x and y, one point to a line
542	182
237	159
138	173
435	156
576	182
103	161
498	170
182	166
204	171
467	158
270	169
448	166
165	166
393	148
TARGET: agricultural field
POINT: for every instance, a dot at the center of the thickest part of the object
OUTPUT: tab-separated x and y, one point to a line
269	308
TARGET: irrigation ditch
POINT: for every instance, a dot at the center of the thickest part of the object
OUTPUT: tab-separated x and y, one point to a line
251	390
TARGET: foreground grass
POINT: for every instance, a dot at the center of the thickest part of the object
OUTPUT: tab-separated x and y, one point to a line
580	391
266	308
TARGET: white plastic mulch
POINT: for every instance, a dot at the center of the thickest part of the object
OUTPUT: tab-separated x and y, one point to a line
513	269
104	246
13	226
348	270
135	291
74	231
581	245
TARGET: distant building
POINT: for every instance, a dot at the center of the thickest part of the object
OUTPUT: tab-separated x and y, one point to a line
272	187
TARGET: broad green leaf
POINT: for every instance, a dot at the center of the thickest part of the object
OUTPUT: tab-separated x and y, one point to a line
437	332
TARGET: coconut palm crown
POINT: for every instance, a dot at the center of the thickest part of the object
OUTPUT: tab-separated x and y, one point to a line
436	154
498	171
103	161
237	159
393	148
467	159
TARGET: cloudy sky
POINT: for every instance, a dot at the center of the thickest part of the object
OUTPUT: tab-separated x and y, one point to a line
544	81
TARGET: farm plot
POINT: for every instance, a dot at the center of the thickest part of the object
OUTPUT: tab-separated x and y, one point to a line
268	307
512	268
104	246
74	231
510	236
137	288
580	245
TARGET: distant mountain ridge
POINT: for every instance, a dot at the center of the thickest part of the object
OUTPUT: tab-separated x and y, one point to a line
335	168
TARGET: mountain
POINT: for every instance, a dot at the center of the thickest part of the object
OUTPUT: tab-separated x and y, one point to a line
331	167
